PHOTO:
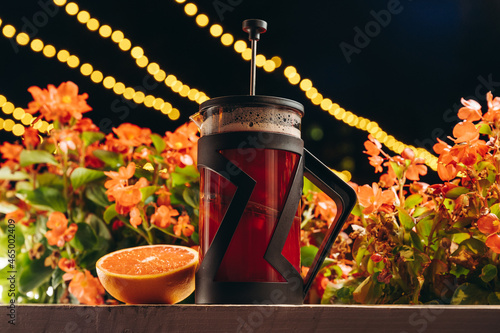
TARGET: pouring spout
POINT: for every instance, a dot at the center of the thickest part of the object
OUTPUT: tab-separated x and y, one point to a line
198	119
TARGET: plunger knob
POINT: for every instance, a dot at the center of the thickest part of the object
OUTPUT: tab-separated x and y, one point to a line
254	27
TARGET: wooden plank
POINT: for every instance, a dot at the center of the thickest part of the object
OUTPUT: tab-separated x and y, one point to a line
253	318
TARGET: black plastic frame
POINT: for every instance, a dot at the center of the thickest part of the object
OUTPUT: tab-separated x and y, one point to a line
209	291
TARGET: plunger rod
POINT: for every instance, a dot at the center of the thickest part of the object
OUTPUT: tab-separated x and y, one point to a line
253	67
254	28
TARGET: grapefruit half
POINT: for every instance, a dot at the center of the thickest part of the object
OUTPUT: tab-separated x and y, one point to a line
149	274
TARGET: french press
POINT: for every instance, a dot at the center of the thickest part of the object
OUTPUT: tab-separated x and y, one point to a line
252	162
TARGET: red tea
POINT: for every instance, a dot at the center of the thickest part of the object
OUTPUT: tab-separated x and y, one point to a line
273	170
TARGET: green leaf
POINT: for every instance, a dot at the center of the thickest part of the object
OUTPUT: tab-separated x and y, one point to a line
99	227
309	187
158	142
91	137
417	241
47	198
397	169
195	237
7	174
34	275
368	292
488	273
419	211
405	252
459	237
456	192
57	279
475	246
494	298
81	176
147	192
449	204
110	213
29	157
191	196
459	270
463	222
97	194
495	209
413	200
485	129
424	228
181	176
406	219
7	207
50	179
114	160
85	237
190	171
307	255
469	294
357	211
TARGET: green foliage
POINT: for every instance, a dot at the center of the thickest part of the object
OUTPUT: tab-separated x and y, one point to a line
418	243
82	176
66	218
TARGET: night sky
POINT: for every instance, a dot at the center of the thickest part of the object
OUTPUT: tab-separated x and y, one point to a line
404	64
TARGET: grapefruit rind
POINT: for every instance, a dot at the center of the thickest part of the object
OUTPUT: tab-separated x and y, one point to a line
169	287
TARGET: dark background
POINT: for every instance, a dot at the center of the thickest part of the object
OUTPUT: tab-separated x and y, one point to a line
409	77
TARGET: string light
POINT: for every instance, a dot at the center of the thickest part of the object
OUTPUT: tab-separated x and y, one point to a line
19	114
73	61
316	98
117	36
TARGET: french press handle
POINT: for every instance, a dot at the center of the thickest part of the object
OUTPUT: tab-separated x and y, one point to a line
344	197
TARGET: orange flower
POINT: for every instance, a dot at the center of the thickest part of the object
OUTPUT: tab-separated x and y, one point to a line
86	288
67	140
18	216
183	226
372	146
390	178
117	224
85	125
376	161
135	217
59	232
163	216
141	154
490	225
471	110
10	153
373	198
453	160
325	207
181	146
465	131
31	138
125	197
493	242
132	135
416	168
62	103
493	113
441	146
90	160
115	145
121	177
163	196
69	267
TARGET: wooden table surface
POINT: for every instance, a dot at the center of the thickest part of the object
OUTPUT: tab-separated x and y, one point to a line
252	318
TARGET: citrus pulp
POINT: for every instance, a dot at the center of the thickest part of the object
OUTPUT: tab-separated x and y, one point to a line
149	274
